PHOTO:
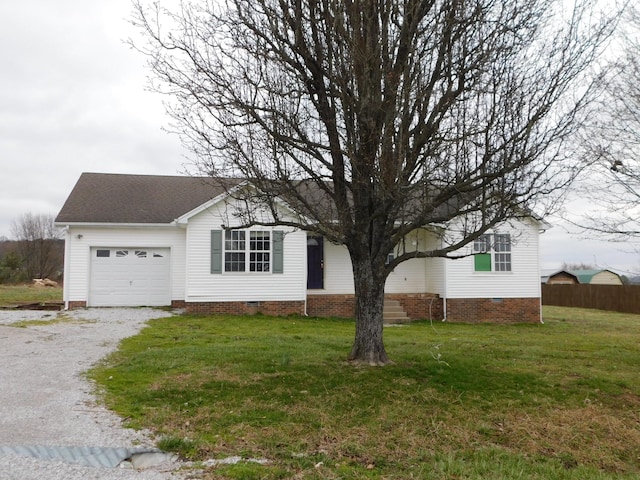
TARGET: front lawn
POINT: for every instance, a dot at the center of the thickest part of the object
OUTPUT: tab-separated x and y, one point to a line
559	400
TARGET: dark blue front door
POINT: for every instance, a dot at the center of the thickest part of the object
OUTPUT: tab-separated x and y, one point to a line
315	262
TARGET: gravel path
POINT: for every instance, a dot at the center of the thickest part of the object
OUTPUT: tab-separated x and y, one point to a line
45	399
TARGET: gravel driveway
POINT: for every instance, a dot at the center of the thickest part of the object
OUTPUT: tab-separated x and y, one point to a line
45	399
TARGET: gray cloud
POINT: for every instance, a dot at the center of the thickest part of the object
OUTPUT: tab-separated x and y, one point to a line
72	99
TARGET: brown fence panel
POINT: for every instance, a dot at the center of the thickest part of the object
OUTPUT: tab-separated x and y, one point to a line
616	298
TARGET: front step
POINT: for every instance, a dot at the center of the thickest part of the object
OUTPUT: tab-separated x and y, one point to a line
394	313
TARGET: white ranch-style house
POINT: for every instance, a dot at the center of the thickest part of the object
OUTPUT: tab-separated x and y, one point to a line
145	240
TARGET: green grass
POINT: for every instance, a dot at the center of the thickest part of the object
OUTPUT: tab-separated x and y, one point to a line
57	318
559	400
11	295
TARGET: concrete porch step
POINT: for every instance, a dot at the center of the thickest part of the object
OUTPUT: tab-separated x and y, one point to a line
394	313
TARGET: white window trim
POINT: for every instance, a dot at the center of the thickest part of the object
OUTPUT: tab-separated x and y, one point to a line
247	252
491	250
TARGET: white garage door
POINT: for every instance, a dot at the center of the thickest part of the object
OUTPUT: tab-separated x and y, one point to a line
129	277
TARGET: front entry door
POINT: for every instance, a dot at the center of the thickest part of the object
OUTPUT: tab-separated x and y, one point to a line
315	263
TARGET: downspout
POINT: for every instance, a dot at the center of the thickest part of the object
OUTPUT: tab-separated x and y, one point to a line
541	319
444	295
540	231
306	275
67	248
444	308
540	289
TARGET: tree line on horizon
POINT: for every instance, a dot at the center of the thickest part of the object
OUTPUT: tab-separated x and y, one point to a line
36	252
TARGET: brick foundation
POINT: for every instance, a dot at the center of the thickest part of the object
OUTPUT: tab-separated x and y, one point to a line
416	305
244	308
488	310
229	308
77	304
341	306
419	306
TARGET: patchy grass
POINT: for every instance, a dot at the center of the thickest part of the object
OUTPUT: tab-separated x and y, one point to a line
54	318
559	400
11	295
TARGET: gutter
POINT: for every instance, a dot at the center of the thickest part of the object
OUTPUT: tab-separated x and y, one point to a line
172	224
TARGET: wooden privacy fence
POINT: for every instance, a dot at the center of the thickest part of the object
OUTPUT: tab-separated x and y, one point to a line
616	298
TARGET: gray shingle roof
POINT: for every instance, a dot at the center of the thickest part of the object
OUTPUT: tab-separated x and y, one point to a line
119	198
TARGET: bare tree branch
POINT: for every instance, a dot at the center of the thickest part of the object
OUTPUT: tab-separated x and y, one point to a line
371	119
611	145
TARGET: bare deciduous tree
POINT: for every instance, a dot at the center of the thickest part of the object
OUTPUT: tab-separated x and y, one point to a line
611	145
37	236
578	266
374	119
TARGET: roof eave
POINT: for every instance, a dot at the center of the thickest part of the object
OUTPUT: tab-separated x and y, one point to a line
172	224
184	219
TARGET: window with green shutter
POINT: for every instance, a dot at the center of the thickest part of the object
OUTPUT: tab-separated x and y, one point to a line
492	252
216	251
482	262
247	251
278	251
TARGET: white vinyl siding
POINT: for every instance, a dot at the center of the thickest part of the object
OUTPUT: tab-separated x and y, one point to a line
227	286
409	277
413	276
435	275
80	241
190	251
338	274
522	281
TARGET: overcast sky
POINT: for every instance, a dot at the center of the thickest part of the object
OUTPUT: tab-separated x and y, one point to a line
73	100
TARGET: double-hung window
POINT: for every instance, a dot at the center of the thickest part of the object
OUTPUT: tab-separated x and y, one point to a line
237	250
492	252
502	252
235	254
246	251
259	251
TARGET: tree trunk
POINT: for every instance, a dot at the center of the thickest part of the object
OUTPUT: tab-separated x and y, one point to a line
368	345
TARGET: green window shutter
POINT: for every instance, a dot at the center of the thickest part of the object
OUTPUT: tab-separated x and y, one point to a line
216	251
278	251
482	262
